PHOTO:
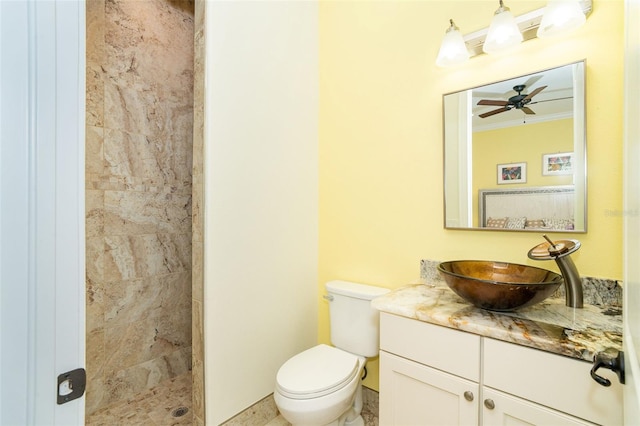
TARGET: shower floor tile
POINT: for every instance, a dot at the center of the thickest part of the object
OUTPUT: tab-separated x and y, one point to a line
158	406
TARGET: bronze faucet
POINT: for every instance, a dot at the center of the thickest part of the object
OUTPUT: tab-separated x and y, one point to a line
560	251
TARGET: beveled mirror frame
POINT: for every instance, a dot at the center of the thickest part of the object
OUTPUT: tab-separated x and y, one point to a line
461	115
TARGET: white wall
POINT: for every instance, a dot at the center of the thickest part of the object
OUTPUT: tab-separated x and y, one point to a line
261	196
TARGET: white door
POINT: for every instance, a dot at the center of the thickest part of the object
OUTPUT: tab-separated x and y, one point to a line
41	208
631	304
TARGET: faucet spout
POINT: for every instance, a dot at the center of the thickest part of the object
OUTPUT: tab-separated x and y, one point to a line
560	251
572	282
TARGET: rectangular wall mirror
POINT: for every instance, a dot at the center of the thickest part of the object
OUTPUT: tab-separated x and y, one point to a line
515	154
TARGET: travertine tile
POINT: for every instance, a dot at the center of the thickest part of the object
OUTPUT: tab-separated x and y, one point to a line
96	356
197	356
163	161
126	302
265	412
141	36
279	421
94	308
94	213
134	344
370	409
94	396
94	256
197	212
94	153
149	407
95	20
95	95
197	266
138	213
140	256
260	413
138	179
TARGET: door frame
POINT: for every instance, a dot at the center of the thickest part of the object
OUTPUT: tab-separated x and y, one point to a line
631	216
42	293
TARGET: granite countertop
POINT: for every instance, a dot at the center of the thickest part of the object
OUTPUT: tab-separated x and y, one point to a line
550	325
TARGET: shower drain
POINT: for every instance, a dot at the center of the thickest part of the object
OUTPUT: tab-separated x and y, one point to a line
179	412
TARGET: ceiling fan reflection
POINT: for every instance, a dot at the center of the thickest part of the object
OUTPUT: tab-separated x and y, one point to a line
519	101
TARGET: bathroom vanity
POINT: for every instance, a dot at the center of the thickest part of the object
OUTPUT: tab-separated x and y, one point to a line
443	361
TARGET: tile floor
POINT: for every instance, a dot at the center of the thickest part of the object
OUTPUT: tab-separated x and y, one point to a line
159	406
369	418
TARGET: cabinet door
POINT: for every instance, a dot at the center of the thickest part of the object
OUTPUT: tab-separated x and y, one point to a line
561	383
413	394
503	409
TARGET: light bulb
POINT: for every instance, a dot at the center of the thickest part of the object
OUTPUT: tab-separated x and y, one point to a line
503	31
561	16
453	50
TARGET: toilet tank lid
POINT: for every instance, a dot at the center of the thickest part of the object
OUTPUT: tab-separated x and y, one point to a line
356	290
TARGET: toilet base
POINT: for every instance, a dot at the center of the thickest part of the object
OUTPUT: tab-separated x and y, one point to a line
358	421
350	416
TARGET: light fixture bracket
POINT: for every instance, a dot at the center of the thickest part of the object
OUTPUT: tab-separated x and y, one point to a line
528	24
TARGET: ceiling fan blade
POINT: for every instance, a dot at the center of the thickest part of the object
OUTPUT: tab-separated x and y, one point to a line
495	111
527	110
535	92
492	102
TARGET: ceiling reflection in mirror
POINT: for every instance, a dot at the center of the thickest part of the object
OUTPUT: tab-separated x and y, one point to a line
515	154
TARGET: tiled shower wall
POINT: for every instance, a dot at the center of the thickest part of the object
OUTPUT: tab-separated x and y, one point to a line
138	195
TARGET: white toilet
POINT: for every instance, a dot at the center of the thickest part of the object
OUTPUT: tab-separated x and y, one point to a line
322	385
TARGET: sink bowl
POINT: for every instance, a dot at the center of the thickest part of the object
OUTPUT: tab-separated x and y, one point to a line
499	286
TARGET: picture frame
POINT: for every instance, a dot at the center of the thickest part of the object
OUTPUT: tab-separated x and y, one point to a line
512	173
557	164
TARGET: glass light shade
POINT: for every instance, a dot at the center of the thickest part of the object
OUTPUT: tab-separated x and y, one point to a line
453	50
503	32
561	16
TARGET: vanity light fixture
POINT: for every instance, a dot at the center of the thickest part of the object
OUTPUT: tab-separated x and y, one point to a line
503	32
453	51
561	16
558	17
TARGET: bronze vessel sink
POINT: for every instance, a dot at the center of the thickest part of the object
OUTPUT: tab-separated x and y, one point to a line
499	286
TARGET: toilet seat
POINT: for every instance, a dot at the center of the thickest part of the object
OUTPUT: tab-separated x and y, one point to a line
316	372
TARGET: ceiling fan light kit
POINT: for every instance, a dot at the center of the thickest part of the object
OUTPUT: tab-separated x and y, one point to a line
557	18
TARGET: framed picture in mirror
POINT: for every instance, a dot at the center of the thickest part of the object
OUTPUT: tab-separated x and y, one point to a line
512	173
557	164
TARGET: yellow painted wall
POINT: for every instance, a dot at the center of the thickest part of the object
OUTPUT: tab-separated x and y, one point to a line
380	128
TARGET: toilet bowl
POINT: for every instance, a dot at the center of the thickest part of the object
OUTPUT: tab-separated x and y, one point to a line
319	387
322	385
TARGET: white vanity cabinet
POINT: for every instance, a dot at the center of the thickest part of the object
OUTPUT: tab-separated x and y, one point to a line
426	383
410	390
433	375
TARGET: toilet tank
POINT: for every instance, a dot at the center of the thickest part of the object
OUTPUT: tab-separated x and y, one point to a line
354	322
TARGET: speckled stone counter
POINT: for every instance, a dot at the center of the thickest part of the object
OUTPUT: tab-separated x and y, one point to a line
549	325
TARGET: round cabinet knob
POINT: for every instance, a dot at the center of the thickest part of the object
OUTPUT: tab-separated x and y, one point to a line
468	395
489	404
